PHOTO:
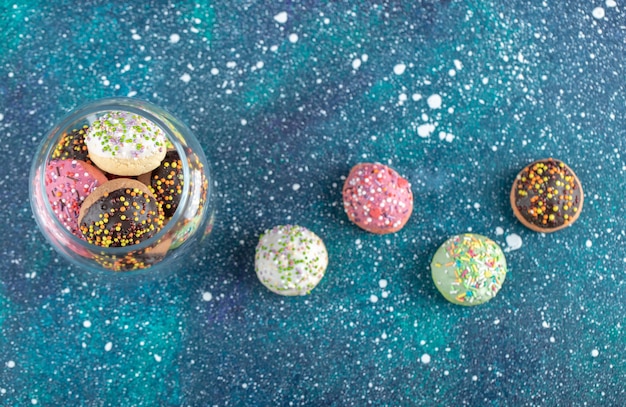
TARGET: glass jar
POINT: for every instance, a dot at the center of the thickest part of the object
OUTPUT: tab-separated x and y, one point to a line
190	221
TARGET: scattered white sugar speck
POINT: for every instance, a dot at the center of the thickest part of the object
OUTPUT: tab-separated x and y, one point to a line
295	187
373	299
382	283
611	3
425	130
293	38
356	63
87	324
214	71
132	93
174	38
588	243
136	37
595	353
545	324
499	231
416	97
281	17
425	358
244	122
34	401
11	364
185	77
1	117
434	101
458	64
207	296
598	13
108	346
157	358
552	339
449	137
399	69
513	241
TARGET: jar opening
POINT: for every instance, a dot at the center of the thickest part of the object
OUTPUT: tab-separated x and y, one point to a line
87	114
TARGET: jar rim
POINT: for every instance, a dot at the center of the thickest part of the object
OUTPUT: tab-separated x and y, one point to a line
162	118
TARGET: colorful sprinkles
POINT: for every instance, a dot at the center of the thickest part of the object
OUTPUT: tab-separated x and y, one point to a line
469	269
547	195
290	260
135	260
125	135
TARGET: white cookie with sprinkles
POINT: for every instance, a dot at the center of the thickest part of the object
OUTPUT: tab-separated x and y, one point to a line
123	143
290	260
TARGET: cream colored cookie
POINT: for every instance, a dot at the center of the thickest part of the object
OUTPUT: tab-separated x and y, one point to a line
126	144
290	260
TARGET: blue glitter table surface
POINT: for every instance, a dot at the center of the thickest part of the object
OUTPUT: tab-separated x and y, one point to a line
285	98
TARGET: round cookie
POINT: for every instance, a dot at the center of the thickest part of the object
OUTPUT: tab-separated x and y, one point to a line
547	196
120	212
166	182
124	143
290	260
469	269
72	146
376	198
68	183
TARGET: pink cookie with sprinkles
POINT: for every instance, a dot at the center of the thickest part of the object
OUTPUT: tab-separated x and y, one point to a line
124	143
377	199
68	183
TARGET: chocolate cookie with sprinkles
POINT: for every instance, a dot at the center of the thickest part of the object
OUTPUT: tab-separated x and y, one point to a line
547	196
120	212
166	182
72	145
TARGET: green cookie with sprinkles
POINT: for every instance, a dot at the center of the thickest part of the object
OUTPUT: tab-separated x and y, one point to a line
469	269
